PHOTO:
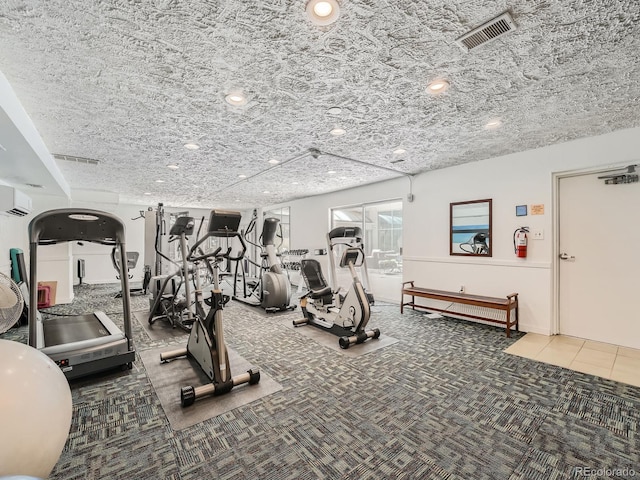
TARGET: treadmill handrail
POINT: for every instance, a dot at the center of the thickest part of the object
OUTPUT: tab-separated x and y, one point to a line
77	224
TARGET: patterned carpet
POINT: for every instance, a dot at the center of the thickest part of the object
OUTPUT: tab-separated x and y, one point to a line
444	402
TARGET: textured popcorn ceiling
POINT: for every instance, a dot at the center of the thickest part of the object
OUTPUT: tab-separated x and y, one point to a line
128	82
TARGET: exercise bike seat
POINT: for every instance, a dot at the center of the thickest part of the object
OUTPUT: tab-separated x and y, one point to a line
312	274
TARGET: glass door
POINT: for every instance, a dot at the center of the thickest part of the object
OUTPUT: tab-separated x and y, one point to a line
382	226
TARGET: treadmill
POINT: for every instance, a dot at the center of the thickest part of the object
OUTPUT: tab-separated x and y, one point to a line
83	344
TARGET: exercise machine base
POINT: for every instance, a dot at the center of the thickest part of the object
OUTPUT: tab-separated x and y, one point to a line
189	394
347	336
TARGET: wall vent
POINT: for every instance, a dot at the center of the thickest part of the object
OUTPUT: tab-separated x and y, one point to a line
487	32
71	158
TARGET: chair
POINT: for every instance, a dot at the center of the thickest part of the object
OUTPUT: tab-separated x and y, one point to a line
316	283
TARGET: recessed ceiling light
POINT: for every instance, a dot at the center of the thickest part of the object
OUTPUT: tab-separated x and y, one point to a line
147	193
338	131
159	181
266	191
236	98
173	167
493	124
294	183
331	172
273	161
323	12
191	146
438	86
242	176
399	151
334	111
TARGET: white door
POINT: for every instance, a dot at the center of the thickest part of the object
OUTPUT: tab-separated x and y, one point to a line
599	233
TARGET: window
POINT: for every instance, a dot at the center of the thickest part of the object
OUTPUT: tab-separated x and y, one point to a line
382	227
283	215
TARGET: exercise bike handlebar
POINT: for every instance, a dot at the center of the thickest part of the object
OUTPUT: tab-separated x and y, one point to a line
216	252
240	256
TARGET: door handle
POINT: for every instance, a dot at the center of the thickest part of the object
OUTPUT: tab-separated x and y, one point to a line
566	256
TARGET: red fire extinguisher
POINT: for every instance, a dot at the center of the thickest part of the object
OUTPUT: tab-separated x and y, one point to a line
520	242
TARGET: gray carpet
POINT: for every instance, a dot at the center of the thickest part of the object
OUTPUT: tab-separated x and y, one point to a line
160	329
331	341
167	379
444	402
257	309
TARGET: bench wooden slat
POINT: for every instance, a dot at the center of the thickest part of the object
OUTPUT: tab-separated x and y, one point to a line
459	296
504	304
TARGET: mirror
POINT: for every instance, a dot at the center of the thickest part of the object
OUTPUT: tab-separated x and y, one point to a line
470	228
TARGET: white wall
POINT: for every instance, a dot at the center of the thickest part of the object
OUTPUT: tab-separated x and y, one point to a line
54	260
518	179
14	235
310	222
97	258
522	178
59	262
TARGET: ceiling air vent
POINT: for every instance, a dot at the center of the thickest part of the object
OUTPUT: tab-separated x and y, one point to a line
485	33
71	158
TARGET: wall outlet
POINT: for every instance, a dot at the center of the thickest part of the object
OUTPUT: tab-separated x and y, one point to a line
537	234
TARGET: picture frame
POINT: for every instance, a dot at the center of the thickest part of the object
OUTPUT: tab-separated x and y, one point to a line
521	210
470	228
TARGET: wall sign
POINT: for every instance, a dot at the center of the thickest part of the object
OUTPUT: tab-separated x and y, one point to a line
537	209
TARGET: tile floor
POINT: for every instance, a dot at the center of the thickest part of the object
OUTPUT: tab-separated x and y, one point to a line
621	364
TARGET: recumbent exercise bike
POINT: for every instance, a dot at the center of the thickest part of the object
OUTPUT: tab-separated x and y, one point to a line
323	308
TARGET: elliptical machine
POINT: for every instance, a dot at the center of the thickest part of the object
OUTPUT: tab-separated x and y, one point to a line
272	289
347	316
166	302
206	341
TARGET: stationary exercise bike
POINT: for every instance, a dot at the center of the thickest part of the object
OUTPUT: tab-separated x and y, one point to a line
347	316
206	341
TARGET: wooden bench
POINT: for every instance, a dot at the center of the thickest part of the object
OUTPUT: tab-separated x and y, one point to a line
504	304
